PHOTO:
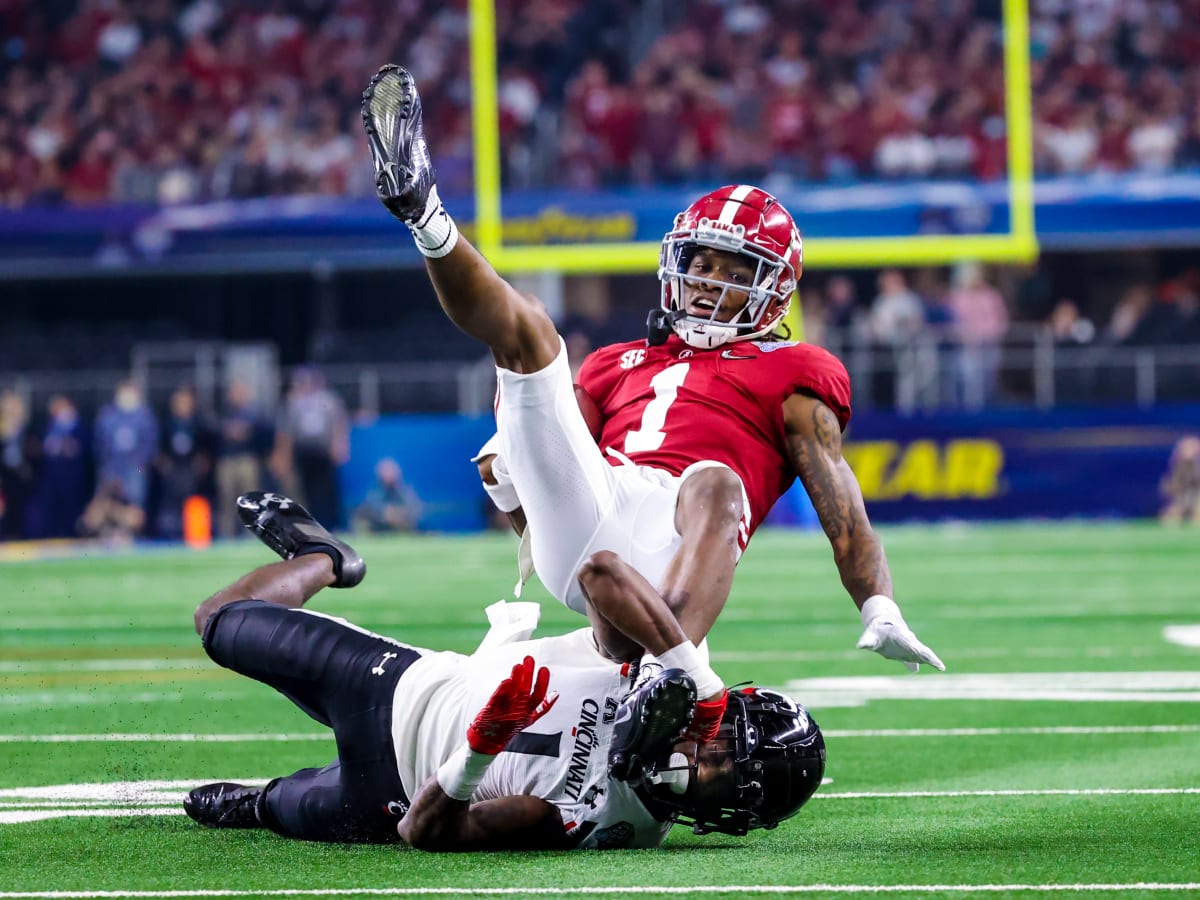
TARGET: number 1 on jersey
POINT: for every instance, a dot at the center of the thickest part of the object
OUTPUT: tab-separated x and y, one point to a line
666	386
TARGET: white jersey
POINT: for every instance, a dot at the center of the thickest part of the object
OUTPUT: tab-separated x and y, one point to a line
562	758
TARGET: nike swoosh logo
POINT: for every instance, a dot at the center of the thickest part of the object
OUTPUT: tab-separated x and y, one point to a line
729	354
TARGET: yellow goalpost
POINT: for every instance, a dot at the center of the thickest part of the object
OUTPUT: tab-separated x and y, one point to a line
1018	245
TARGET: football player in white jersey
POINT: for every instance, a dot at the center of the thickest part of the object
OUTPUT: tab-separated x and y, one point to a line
524	744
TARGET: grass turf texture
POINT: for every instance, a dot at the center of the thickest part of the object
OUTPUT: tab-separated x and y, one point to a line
103	646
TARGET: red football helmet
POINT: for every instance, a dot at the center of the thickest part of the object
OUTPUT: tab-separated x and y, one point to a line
742	219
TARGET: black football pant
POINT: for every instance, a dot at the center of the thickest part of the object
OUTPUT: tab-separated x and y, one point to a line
343	677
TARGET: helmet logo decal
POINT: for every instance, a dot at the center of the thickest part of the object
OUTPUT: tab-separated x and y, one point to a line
721	233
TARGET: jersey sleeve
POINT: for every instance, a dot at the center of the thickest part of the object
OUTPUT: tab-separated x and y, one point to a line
822	374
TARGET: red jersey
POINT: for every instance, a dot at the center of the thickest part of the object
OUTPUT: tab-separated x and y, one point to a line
672	405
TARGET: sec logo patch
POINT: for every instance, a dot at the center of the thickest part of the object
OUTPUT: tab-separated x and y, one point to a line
631	358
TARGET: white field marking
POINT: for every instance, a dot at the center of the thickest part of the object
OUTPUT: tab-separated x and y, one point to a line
121	791
1014	792
1184	635
995	732
286	738
37	666
99	799
1004	611
696	890
1076	687
48	699
165	798
163	738
1091	652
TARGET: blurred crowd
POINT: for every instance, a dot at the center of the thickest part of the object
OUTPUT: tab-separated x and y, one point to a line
956	323
172	101
129	471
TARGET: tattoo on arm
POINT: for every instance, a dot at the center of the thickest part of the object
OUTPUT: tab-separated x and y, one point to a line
817	458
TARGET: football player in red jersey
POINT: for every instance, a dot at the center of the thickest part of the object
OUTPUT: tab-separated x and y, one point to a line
703	425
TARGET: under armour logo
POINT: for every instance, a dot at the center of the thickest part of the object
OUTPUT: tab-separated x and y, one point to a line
378	670
278	499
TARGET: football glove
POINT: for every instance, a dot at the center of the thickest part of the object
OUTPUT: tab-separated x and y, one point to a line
886	632
516	704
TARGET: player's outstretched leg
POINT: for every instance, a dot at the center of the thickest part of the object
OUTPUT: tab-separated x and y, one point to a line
290	530
224	805
514	326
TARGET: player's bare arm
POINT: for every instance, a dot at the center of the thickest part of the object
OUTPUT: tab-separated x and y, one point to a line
442	816
516	327
815	443
440	823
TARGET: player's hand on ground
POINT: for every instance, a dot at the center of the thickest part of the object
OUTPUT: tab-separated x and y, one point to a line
517	703
886	633
707	720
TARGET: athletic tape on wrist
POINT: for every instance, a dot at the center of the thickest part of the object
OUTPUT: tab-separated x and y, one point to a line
434	232
460	775
685	656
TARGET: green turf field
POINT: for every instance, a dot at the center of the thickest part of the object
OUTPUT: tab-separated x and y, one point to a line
1060	752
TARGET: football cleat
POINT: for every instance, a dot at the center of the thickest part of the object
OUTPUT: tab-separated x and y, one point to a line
391	113
224	805
290	530
650	720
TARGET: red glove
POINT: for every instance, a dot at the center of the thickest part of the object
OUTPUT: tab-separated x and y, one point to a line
707	720
515	705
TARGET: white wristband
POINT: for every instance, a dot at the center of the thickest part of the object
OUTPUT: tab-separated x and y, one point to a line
460	775
503	492
434	231
878	605
685	656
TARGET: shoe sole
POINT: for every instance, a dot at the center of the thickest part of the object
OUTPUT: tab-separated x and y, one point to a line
398	96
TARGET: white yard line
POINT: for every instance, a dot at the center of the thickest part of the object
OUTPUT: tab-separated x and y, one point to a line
1016	792
162	738
1000	732
164	798
718	889
285	738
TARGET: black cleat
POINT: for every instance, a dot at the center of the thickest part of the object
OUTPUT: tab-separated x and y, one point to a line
290	530
391	113
224	805
649	722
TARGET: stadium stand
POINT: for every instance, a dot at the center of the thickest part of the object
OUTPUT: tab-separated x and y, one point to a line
161	102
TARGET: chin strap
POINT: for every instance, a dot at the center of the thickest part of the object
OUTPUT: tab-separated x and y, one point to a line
660	324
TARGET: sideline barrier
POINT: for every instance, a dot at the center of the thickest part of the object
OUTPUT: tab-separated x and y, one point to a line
1001	464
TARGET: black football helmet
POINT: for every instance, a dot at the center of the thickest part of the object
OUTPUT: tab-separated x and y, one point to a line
778	763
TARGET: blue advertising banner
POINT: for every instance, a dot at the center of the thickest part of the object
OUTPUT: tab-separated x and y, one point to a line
1008	464
284	233
1003	464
